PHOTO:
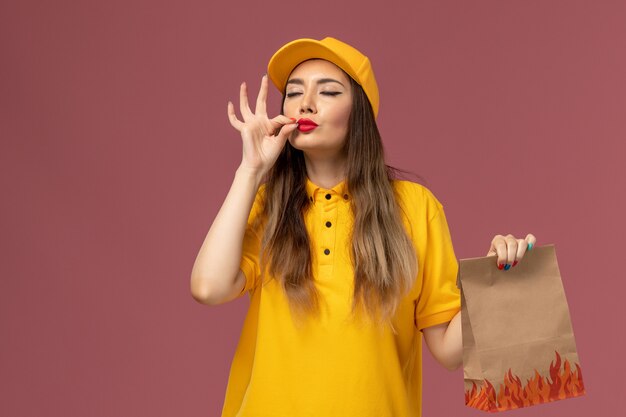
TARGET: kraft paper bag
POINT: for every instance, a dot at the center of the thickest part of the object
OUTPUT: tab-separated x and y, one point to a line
518	343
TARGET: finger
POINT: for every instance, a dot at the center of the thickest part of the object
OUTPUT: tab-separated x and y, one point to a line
233	118
521	250
270	129
246	113
261	99
279	121
499	245
492	249
511	250
285	131
531	241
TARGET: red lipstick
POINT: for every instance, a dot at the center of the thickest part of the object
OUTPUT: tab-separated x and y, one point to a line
306	125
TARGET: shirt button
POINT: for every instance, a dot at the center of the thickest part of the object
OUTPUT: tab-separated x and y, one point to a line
345	196
327	196
327	251
328	224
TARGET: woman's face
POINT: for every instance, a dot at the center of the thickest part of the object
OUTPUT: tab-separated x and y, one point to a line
320	91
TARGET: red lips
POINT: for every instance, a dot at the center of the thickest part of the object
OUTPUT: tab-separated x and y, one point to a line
305	125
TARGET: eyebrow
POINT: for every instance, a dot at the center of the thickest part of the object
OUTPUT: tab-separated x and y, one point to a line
320	81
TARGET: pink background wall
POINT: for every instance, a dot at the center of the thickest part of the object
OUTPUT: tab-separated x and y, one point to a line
117	154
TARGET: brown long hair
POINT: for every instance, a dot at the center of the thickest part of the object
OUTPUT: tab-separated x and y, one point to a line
382	254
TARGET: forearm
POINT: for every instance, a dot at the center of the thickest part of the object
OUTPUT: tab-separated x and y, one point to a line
220	255
453	343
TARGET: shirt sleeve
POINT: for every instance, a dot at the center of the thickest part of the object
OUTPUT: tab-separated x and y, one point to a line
251	245
440	298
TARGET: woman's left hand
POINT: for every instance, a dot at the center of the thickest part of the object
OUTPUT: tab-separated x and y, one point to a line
510	250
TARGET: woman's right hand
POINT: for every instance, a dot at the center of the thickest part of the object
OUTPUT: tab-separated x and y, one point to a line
263	138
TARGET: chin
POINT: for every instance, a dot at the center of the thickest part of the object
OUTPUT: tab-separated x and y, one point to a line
300	142
313	141
305	142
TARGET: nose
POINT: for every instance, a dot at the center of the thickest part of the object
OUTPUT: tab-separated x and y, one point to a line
306	104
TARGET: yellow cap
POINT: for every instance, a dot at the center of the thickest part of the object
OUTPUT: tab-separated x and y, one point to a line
349	59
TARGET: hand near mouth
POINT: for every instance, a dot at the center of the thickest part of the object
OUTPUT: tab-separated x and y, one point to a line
263	138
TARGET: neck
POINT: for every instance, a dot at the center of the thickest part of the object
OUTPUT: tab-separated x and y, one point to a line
325	172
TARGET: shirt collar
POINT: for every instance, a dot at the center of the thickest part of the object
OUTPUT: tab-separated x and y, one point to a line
316	192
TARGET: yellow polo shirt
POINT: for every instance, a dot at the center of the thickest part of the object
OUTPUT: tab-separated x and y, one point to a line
334	367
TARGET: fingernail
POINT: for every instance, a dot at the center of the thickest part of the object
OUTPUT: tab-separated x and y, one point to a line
530	246
507	267
514	263
500	266
293	118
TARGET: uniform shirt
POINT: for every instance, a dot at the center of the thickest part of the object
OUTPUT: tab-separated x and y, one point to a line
335	367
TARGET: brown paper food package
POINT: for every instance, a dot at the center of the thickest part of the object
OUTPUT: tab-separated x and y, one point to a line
518	343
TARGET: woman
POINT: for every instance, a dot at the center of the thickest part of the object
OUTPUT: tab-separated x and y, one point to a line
345	265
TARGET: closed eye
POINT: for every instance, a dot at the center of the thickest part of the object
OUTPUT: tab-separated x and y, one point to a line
328	93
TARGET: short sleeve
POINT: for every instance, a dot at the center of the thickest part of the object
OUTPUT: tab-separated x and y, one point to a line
251	245
440	298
